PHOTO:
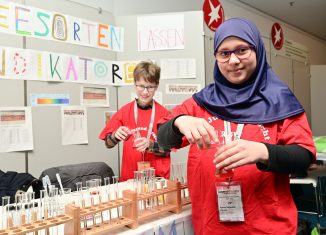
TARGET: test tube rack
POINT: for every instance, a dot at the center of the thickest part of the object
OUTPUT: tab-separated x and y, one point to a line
185	198
68	219
172	199
129	217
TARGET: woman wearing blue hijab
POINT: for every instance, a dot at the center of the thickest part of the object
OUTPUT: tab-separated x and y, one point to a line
241	184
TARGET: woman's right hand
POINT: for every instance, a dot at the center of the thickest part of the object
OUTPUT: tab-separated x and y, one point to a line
196	130
122	133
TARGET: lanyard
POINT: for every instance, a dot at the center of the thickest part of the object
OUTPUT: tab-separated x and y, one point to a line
228	138
151	122
227	129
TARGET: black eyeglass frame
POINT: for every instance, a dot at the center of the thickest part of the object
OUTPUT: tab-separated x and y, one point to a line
148	88
235	52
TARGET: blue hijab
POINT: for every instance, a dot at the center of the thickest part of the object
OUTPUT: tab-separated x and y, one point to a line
263	98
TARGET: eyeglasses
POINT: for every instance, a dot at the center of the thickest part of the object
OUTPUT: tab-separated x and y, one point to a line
241	53
149	88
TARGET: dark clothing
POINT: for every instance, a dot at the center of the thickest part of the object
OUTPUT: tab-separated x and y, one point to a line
12	182
282	158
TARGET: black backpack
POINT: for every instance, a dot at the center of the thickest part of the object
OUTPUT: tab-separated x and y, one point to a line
73	173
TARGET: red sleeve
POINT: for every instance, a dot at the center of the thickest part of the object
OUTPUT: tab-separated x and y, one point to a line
188	107
296	130
114	123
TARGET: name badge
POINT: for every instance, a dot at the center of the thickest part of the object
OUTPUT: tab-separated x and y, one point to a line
229	201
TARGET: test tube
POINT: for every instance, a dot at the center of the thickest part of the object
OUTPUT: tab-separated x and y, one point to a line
5	212
20	213
107	191
52	200
28	199
174	172
151	183
79	186
43	195
138	187
92	191
115	182
99	190
181	176
162	184
53	205
83	192
107	188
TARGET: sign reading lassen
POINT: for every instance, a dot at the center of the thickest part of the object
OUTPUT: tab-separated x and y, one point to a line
213	14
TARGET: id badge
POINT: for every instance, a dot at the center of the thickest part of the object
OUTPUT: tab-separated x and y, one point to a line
229	201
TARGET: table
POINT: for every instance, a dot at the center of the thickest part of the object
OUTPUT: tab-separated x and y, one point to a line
321	157
166	223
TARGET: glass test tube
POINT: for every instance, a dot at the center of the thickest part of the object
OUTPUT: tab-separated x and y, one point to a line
5	210
107	193
81	192
115	182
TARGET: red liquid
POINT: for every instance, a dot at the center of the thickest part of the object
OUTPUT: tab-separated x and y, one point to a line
224	174
94	192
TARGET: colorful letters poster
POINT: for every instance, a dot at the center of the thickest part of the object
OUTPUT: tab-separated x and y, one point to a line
29	21
25	64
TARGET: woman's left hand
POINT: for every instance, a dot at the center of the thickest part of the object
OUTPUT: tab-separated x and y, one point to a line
239	153
141	144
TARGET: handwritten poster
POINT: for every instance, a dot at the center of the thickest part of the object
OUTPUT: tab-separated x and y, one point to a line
73	125
178	68
160	32
95	96
182	88
16	129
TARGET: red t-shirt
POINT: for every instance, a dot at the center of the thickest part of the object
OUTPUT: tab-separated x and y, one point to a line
267	201
130	156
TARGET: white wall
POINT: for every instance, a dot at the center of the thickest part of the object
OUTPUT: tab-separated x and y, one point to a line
316	47
106	5
136	7
318	97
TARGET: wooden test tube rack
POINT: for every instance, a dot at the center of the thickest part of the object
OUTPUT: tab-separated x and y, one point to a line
130	217
129	203
185	200
71	212
172	198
